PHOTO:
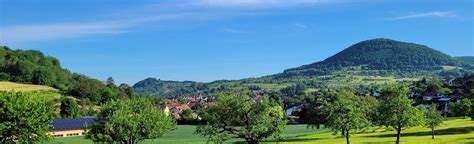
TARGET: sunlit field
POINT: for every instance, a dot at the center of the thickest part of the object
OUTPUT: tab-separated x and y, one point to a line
8	86
454	130
451	131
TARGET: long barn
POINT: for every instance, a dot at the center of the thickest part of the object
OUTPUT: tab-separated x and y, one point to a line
69	127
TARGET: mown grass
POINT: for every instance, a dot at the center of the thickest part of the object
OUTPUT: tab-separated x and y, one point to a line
451	131
11	86
184	134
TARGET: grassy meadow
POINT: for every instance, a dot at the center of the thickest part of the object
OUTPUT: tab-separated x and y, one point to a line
8	86
451	131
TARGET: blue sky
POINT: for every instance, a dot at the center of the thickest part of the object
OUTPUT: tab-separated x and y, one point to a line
206	40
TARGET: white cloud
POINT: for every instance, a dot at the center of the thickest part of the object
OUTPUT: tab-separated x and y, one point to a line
23	33
443	14
54	31
258	3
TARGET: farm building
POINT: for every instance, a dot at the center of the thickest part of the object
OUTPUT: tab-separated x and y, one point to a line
69	127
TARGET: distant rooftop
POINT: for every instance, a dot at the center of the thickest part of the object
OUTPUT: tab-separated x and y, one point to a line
69	124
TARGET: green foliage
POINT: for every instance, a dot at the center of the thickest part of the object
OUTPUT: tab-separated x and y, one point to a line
24	117
314	111
345	113
129	121
239	116
187	115
156	87
396	109
69	108
466	59
462	108
33	67
433	118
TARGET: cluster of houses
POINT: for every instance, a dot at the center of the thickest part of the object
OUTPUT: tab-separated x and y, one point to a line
176	107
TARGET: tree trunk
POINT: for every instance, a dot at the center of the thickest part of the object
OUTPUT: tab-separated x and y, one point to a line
347	136
399	128
343	132
251	141
432	133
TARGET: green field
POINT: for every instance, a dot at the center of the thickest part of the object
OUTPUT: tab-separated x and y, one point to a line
452	131
185	135
8	86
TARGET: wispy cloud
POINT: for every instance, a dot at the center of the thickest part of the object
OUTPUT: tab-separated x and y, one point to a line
442	14
236	31
258	3
54	31
22	33
129	20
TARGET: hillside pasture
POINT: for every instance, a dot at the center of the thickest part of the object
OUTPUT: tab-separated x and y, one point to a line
11	86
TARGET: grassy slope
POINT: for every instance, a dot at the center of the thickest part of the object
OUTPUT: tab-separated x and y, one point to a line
451	131
7	86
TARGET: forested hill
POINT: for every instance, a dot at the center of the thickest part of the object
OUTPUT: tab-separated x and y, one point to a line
381	54
33	67
466	59
157	87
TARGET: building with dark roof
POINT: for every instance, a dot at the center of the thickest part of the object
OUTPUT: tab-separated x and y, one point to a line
69	127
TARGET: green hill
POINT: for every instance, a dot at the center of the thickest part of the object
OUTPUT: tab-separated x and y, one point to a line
466	59
380	54
33	67
156	87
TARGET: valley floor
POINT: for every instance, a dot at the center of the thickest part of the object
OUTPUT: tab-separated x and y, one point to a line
451	131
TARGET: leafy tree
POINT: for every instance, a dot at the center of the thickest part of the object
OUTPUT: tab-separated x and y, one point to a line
239	116
129	121
313	111
462	108
433	119
396	109
345	113
110	82
24	117
187	115
69	108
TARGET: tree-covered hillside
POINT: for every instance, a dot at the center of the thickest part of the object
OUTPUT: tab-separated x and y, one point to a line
466	59
33	67
156	87
380	54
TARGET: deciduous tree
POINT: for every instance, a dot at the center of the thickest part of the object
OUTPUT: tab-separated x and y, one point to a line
433	118
345	112
396	109
239	116
24	117
129	121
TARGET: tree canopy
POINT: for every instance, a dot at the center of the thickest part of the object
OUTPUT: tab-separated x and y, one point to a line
239	116
396	109
24	117
129	121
